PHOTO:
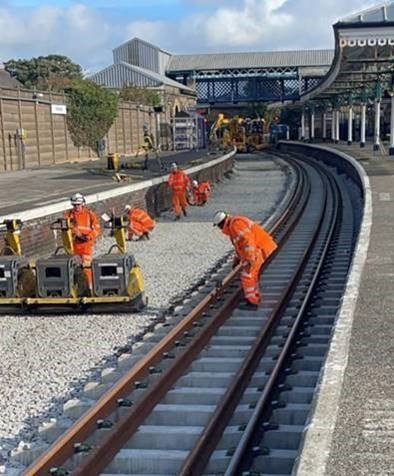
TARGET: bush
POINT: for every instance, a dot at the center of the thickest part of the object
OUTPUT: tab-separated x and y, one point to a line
92	110
147	97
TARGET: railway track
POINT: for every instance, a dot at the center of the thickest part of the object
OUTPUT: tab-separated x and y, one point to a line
226	391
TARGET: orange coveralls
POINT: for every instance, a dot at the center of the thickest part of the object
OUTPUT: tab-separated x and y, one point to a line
179	182
86	224
202	193
253	245
139	223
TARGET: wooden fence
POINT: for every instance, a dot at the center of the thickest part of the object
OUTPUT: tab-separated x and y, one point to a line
33	135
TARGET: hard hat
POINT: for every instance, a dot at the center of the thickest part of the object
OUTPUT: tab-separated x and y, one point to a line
174	166
219	217
127	208
195	183
77	199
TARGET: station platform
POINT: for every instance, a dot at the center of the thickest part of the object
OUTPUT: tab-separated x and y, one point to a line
352	432
25	189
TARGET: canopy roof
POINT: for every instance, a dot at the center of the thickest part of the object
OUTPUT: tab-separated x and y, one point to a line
363	64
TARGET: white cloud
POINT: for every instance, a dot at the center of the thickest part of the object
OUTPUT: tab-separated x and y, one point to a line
152	31
76	31
248	24
87	34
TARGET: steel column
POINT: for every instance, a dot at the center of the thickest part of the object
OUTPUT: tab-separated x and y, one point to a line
391	150
333	114
324	127
363	121
376	142
350	127
312	131
303	125
337	127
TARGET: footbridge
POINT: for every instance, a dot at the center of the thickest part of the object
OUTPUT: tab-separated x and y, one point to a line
233	78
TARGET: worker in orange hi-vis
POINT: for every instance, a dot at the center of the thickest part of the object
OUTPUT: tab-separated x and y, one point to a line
85	231
140	223
252	245
179	183
201	192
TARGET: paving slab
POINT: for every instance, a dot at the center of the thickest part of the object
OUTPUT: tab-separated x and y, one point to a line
25	189
355	435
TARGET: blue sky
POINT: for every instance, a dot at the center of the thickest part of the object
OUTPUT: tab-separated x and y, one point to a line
87	31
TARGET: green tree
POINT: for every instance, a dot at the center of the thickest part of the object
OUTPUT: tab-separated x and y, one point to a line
52	72
145	96
91	111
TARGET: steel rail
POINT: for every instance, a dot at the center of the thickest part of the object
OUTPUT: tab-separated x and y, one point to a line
235	465
207	442
64	447
100	456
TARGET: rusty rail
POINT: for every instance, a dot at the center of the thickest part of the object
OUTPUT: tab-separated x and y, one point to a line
84	427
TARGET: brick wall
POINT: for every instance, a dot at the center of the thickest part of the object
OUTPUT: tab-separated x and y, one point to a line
38	239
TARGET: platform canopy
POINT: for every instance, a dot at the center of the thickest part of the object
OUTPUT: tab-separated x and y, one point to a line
363	65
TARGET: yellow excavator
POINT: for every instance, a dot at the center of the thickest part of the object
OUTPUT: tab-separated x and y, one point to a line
57	283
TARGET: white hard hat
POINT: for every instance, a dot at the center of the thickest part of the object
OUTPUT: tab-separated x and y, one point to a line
174	166
195	183
77	199
127	208
219	217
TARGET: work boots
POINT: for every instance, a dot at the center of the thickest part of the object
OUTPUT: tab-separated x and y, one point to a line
184	212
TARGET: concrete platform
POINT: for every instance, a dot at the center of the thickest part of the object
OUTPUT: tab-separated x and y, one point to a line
25	189
352	432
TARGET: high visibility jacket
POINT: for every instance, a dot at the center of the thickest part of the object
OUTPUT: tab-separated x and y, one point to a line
204	188
178	181
247	236
140	220
84	222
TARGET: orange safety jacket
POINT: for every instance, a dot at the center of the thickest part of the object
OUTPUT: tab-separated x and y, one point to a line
140	220
84	222
204	188
178	181
247	236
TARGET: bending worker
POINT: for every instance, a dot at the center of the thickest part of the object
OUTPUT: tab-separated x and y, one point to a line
201	192
179	183
85	230
140	223
253	245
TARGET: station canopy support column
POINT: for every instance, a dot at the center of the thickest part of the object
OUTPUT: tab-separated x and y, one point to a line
324	126
350	126
312	131
303	125
337	117
363	124
391	151
333	119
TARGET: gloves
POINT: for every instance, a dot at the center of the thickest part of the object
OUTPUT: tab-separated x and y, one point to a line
82	238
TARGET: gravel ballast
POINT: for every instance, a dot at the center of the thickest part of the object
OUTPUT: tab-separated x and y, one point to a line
45	360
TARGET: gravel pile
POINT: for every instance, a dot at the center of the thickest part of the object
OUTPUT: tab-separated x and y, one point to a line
46	360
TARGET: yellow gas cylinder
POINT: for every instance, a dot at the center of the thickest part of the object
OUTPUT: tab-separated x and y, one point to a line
113	162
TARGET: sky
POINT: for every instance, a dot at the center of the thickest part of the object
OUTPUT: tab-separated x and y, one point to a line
87	31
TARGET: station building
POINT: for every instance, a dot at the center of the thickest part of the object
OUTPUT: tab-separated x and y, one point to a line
222	79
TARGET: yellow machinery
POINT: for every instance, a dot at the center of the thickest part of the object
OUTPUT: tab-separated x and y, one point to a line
219	136
255	135
58	283
238	133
